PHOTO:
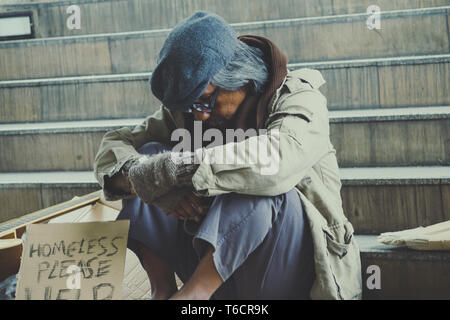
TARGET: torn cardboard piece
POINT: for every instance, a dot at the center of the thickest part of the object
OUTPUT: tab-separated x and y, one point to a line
434	237
135	285
89	213
91	207
73	261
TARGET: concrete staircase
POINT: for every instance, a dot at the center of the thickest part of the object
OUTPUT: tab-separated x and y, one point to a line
387	90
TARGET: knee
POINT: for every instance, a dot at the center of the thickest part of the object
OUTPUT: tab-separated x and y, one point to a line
268	209
153	147
259	212
243	202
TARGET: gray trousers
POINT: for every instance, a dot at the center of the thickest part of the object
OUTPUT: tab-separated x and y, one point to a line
263	246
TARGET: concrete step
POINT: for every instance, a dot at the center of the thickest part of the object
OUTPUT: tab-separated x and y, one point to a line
23	193
404	273
133	15
25	2
363	138
387	199
352	84
404	32
391	137
374	199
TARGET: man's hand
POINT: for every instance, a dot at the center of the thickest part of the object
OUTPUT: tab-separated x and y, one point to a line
152	177
189	207
183	204
120	184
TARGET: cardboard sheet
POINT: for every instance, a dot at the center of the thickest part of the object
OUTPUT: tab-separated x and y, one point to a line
434	237
73	261
135	285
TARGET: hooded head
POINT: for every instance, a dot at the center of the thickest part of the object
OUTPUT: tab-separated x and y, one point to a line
196	49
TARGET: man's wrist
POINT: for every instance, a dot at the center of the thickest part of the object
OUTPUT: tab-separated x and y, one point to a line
127	166
184	166
118	186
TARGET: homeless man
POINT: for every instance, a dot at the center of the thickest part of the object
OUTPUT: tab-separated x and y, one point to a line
230	230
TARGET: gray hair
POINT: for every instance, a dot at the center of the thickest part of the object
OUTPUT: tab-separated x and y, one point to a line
247	66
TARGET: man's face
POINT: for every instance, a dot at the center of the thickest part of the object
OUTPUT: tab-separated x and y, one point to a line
226	105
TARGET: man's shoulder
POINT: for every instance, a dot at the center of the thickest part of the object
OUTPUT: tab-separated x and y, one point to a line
301	90
304	78
164	119
299	95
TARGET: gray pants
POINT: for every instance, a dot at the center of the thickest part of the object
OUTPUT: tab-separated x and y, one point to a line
263	246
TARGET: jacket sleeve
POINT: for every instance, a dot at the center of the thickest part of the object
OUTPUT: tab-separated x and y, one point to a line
119	146
297	137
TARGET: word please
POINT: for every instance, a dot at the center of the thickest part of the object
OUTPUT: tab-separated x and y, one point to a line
92	268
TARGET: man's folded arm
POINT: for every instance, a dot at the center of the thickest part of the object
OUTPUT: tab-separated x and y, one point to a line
297	139
119	147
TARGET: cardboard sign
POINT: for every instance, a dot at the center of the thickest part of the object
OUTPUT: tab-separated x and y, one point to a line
73	261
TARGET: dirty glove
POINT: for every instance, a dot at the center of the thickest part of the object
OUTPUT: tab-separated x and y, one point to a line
153	176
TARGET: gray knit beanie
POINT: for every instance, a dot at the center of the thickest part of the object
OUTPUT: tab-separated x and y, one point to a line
196	49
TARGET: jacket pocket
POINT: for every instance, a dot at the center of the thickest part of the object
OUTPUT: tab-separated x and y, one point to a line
344	259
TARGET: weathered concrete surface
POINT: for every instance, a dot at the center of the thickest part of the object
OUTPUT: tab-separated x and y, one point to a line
405	273
134	15
378	139
410	32
351	85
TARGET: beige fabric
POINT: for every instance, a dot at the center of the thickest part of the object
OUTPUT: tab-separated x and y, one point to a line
298	123
434	237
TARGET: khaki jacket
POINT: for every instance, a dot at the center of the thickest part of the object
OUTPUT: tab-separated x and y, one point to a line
307	161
